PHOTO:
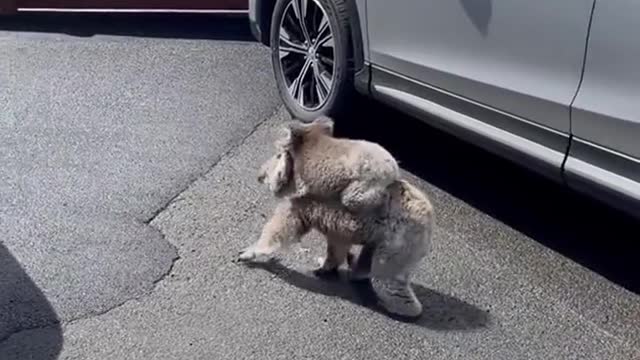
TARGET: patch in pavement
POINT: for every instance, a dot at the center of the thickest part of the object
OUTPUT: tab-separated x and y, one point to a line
96	136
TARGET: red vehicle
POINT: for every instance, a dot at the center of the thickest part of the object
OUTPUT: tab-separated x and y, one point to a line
187	6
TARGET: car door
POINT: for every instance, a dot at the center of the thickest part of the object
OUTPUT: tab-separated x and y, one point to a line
136	4
606	113
521	57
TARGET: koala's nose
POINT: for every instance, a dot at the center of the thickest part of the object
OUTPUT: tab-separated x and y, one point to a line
260	177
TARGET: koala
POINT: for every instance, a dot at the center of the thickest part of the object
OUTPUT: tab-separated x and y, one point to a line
393	242
356	172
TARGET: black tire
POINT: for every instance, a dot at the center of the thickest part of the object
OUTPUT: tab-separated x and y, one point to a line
341	90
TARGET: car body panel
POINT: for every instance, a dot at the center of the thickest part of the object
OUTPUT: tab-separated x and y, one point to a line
606	111
255	19
540	149
520	56
361	6
605	150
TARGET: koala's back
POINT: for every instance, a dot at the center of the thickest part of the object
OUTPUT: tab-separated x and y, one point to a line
326	165
370	161
410	211
330	218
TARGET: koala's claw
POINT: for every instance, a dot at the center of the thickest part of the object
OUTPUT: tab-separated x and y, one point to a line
253	252
247	254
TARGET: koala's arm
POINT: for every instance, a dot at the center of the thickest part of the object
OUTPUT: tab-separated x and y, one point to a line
282	229
362	196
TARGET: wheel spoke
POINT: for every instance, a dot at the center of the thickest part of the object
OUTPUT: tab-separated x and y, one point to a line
325	79
324	37
325	41
296	87
285	50
300	11
326	60
324	26
301	93
286	40
303	74
319	95
293	88
322	90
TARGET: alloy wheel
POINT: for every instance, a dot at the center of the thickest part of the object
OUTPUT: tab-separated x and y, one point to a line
306	53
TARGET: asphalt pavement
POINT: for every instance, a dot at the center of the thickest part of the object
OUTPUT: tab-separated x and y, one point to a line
128	186
98	132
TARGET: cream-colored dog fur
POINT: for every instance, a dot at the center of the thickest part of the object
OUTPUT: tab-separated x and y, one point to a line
394	240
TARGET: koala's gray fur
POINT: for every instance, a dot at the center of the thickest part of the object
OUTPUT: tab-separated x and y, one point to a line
354	171
394	240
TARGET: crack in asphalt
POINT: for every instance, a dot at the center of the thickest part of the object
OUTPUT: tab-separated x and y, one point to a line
173	200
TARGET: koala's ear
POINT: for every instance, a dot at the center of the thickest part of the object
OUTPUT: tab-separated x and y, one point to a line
325	123
297	128
287	140
294	131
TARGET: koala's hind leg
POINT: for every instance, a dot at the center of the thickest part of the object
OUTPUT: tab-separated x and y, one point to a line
397	296
361	267
337	251
393	262
282	229
363	195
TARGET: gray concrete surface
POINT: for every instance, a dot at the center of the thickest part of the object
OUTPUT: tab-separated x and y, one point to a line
489	291
97	134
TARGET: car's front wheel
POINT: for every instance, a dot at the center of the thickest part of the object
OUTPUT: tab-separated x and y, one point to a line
310	55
